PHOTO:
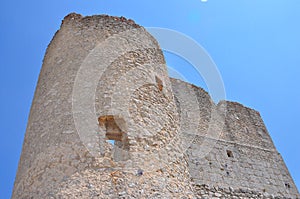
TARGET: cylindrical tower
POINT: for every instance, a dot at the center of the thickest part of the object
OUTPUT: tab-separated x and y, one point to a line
103	122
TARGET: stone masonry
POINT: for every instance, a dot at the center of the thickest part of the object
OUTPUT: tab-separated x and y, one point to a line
243	162
107	122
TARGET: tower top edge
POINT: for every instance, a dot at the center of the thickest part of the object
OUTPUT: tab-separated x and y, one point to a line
87	20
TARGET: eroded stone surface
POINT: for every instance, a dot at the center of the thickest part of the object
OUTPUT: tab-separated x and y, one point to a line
171	140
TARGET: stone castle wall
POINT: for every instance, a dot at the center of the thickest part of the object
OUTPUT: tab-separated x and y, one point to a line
66	153
170	139
242	160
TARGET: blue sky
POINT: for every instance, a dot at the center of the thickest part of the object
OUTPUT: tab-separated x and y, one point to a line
254	43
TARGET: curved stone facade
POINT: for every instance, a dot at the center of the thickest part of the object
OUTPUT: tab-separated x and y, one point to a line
66	154
107	122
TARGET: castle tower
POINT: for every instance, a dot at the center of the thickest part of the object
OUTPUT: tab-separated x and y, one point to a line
103	122
107	122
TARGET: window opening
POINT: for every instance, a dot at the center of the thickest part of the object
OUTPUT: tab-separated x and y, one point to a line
115	135
229	153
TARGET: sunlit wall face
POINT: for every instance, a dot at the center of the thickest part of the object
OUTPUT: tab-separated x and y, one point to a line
255	45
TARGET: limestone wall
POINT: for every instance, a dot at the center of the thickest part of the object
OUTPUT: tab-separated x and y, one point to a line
240	159
104	80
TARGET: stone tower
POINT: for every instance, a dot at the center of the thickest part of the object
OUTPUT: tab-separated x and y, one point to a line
107	122
118	67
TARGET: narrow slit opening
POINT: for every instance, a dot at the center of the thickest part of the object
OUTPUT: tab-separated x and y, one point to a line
159	83
229	153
